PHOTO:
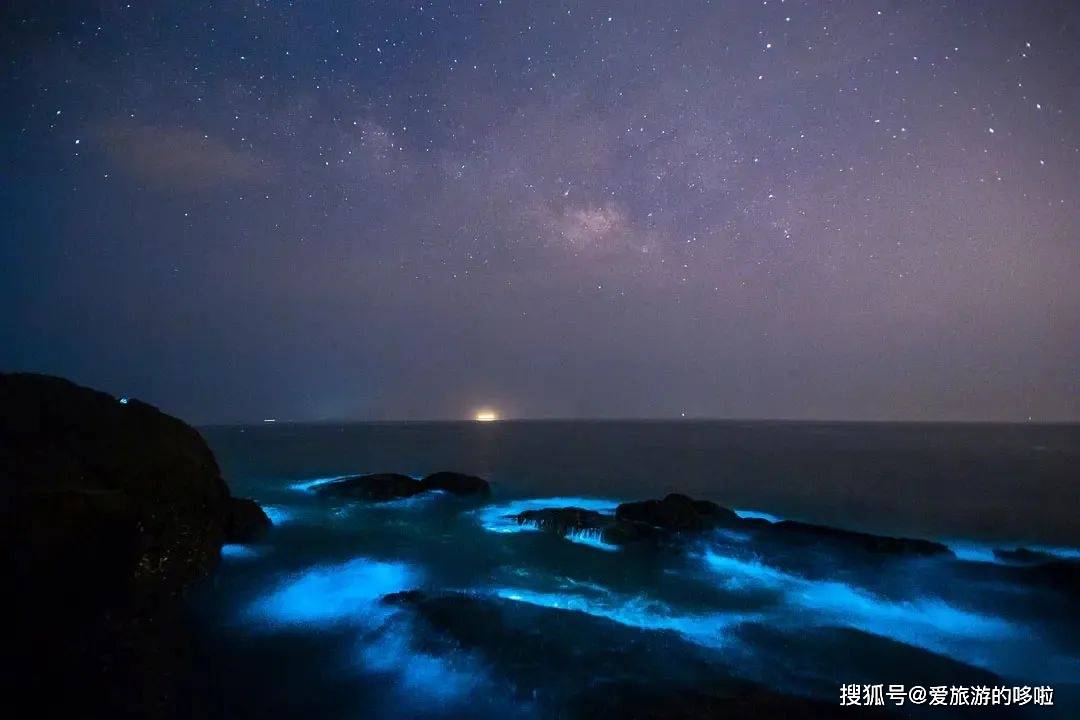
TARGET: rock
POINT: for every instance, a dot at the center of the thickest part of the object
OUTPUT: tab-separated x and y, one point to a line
246	522
1060	575
571	520
456	483
110	510
380	487
676	513
562	521
870	543
404	598
71	452
383	487
649	521
617	674
1023	556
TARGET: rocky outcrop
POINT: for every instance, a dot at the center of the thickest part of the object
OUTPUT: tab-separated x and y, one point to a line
1023	556
678	517
651	521
617	674
864	541
384	487
245	521
676	513
456	483
378	487
110	510
565	520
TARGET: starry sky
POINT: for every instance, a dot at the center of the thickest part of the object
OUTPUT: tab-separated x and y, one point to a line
316	210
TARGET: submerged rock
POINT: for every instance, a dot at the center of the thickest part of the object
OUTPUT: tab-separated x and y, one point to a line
864	541
110	510
1023	556
456	483
379	487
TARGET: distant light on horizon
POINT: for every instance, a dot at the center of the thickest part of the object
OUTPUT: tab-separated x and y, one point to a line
486	415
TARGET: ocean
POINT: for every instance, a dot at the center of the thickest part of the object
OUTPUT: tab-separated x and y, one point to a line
517	622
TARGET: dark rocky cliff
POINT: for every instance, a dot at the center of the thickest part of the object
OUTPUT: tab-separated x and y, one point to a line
110	510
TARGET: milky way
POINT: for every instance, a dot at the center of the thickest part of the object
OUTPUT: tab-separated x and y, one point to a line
399	210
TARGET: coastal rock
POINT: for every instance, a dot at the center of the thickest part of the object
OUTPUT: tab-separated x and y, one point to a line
246	522
564	520
110	510
73	458
864	541
538	650
650	521
384	487
1060	575
676	513
456	483
379	487
1023	556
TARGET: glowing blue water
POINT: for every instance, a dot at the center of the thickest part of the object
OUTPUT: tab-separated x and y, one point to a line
925	622
238	552
756	514
311	483
326	594
279	514
639	612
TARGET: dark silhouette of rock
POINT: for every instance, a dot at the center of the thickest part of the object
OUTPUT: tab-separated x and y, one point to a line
624	672
1060	575
245	522
383	487
864	541
379	487
111	509
456	483
562	521
649	521
1023	555
676	513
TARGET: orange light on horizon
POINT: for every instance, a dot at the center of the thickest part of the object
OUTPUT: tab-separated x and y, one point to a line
486	415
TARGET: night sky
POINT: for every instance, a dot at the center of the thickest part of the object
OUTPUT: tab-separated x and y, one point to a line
405	210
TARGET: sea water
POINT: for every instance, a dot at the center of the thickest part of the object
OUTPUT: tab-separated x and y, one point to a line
296	624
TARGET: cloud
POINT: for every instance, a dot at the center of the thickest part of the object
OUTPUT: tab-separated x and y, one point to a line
181	159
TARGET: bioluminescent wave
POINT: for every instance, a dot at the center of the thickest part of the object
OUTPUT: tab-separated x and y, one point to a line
279	514
925	622
311	483
421	679
984	552
236	551
591	538
707	629
756	515
500	518
972	552
328	594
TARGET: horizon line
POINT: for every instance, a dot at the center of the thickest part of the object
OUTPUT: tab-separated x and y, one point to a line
270	422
